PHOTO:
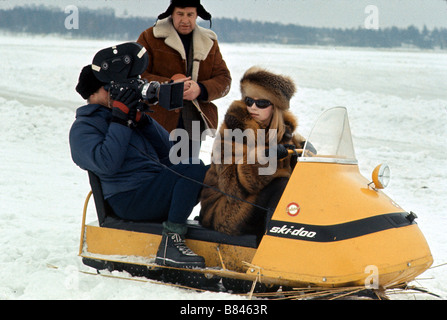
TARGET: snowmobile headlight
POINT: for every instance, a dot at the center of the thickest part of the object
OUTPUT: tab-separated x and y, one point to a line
381	176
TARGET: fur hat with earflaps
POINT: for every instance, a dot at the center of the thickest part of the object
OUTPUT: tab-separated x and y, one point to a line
262	84
201	12
88	84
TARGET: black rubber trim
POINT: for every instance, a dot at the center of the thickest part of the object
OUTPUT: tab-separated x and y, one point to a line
338	232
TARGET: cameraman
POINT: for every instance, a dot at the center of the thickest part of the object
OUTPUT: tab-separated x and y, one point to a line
129	152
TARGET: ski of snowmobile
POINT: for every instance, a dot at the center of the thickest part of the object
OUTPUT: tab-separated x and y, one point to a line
284	293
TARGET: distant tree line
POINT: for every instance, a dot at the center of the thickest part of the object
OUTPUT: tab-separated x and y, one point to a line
104	24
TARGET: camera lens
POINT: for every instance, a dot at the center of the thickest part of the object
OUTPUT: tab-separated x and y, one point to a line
149	91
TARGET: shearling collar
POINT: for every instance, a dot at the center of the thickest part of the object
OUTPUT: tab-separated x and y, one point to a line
202	39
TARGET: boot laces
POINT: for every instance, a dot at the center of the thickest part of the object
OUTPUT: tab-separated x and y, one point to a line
179	243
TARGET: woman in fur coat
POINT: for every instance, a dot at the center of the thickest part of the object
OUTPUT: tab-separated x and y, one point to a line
264	105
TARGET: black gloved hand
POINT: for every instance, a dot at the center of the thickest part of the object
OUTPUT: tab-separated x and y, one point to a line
124	107
282	150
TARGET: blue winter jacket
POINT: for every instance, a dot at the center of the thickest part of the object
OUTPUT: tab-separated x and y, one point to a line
121	157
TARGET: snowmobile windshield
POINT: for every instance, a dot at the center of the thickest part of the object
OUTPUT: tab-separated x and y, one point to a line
330	139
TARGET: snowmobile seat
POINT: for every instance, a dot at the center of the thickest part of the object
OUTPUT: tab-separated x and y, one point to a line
108	219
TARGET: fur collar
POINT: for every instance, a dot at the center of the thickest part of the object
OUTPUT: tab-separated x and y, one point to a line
290	120
203	39
237	117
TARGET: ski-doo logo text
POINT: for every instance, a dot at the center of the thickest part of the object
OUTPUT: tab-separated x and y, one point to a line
290	230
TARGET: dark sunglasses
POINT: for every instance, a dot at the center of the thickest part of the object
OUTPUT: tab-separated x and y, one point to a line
261	104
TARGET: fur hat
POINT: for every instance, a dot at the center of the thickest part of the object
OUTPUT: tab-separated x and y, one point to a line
88	84
262	84
201	12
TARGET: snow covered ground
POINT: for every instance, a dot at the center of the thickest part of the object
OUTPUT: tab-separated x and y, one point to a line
396	101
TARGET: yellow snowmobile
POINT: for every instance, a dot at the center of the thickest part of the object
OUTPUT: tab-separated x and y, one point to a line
331	228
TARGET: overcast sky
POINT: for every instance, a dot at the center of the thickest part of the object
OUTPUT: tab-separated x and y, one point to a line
318	13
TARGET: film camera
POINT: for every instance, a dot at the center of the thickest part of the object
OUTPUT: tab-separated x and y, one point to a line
121	66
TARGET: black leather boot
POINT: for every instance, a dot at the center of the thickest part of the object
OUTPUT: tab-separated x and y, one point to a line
173	251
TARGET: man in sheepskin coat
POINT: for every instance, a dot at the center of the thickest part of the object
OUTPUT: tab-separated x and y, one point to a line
177	46
242	180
